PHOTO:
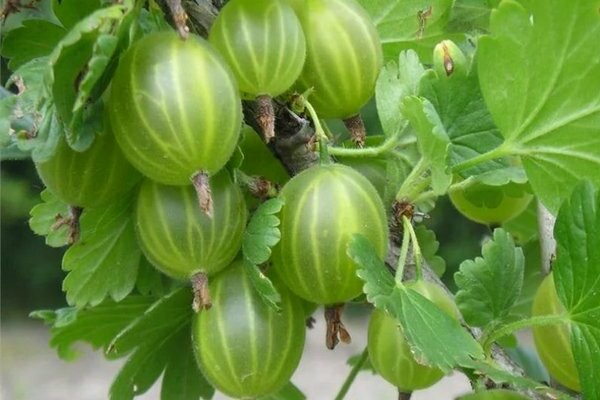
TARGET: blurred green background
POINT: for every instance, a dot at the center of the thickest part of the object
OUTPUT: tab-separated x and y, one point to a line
31	273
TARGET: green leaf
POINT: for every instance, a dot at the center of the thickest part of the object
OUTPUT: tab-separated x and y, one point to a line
576	272
31	116
288	392
429	247
471	15
527	70
70	12
432	139
96	326
396	81
405	25
490	286
459	103
45	219
262	232
500	376
104	261
156	341
182	379
42	10
166	314
149	281
77	64
435	337
263	285
36	38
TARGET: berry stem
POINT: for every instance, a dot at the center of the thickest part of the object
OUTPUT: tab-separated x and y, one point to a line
320	134
403	254
180	18
356	127
202	185
336	330
364	356
202	299
265	116
404	395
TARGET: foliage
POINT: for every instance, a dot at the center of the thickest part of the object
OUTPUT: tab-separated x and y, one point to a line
473	92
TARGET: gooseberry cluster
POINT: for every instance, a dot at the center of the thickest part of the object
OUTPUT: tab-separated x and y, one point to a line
173	122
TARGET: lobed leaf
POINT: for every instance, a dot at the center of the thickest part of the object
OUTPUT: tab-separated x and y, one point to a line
35	38
96	326
434	336
489	286
432	139
77	65
158	341
105	260
429	247
457	98
577	278
262	232
540	78
263	285
46	215
396	81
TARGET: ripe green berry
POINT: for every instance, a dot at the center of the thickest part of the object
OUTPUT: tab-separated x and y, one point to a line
93	178
178	238
389	351
263	43
488	204
343	56
245	348
324	206
175	108
553	342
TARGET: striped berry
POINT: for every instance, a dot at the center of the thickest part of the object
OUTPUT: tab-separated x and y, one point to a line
324	206
245	348
93	178
389	351
175	108
263	43
183	242
343	56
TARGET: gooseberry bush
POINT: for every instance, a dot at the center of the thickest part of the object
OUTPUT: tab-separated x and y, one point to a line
196	168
